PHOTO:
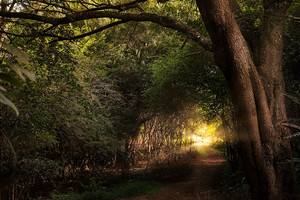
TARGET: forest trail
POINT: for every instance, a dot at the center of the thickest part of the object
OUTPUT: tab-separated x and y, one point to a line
199	185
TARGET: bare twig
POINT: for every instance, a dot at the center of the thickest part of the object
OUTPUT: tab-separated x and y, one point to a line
194	53
292	135
290	125
286	120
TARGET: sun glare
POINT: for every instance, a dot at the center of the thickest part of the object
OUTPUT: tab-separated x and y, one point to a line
200	141
204	135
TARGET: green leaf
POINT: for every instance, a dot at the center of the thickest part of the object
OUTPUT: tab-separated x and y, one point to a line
7	102
7	78
5	66
21	71
2	88
21	55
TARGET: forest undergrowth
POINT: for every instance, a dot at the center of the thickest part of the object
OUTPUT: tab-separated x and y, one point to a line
156	181
107	106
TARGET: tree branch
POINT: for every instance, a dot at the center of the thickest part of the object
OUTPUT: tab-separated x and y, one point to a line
290	125
194	53
120	7
165	21
292	135
90	33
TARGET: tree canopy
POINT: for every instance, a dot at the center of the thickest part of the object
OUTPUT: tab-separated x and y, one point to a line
113	71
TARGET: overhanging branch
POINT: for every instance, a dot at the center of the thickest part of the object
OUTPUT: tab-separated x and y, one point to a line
165	21
91	32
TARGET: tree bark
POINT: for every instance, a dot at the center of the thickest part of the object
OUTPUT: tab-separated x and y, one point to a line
263	150
268	56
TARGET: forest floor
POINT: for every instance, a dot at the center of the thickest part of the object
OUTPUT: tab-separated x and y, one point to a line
200	184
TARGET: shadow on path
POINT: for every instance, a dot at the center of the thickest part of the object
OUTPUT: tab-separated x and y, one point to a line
199	185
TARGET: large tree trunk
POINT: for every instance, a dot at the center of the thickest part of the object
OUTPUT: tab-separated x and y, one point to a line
263	149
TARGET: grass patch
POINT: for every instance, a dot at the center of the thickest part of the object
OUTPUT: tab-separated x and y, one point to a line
219	151
201	151
218	148
129	189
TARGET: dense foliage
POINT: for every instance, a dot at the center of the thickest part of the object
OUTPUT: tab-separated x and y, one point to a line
109	101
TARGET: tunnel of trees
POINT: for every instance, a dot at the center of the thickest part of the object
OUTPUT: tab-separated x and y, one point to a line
88	86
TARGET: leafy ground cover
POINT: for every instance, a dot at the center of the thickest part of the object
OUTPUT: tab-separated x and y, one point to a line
127	189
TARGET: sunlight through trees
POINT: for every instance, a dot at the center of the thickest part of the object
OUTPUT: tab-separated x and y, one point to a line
91	90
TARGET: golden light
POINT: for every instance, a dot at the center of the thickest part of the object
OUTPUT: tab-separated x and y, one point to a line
204	135
201	141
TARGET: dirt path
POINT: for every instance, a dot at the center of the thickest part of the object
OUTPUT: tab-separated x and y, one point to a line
199	185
